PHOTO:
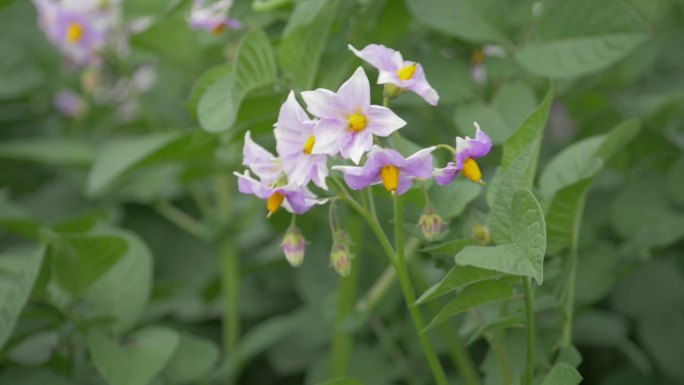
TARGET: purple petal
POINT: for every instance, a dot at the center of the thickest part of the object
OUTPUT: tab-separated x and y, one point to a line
382	121
354	144
419	165
358	178
328	133
299	200
324	104
302	168
380	157
379	56
248	185
473	148
405	183
355	92
260	161
293	128
446	175
420	85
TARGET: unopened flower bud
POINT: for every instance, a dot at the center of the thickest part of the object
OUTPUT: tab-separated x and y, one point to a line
481	234
430	223
393	91
294	245
340	255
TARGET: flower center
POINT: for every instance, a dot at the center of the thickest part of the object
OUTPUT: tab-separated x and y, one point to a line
74	32
357	122
406	72
390	177
218	29
274	201
471	170
308	146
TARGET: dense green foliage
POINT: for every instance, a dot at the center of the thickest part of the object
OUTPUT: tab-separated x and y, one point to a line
128	257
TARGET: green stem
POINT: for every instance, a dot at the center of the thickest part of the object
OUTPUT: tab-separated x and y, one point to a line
569	305
410	296
457	349
342	343
230	287
181	219
529	322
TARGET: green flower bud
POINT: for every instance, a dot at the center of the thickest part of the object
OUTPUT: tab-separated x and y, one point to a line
294	245
392	91
340	255
481	234
430	223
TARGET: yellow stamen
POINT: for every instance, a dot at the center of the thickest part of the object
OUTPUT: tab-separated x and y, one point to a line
390	178
406	72
308	146
357	122
472	171
478	56
218	29
74	32
274	201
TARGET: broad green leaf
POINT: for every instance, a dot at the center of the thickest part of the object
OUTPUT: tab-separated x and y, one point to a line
562	374
473	295
31	376
575	163
451	200
254	68
510	106
19	74
449	247
16	220
121	156
503	322
300	51
505	184
341	381
457	277
675	182
208	78
525	255
52	151
135	361
18	273
192	361
529	134
81	259
581	37
303	14
564	213
123	291
465	19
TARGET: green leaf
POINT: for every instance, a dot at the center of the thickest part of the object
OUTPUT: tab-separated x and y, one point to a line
473	295
300	51
52	151
18	273
581	37
193	360
449	247
465	19
341	381
510	106
208	78
505	184
14	219
525	256
19	73
562	374
80	260
457	277
564	213
675	182
122	292
503	322
254	68
31	376
304	13
575	163
451	200
137	360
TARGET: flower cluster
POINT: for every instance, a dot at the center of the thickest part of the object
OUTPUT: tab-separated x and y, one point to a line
346	125
80	29
212	17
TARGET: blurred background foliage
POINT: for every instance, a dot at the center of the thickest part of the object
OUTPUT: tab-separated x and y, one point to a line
106	278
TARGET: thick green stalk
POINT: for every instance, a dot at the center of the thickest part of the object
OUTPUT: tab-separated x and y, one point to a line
529	322
569	305
342	343
181	219
410	296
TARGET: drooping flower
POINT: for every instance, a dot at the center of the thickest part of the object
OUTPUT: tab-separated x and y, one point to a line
70	104
340	254
481	234
295	138
467	150
294	246
272	185
347	119
390	168
79	29
212	17
407	75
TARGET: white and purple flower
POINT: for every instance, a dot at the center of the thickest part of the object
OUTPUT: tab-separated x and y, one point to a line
294	246
272	185
406	75
467	150
212	17
390	168
348	121
295	139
